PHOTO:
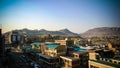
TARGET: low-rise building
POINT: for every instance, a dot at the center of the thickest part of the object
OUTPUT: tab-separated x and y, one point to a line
70	62
76	40
104	63
97	60
93	56
83	58
66	42
47	61
36	45
54	49
114	47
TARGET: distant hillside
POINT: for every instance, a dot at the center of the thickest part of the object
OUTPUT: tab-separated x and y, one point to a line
67	32
63	32
103	31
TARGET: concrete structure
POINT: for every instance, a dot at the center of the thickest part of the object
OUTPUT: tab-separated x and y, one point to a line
96	62
103	63
55	50
93	64
93	56
36	45
76	40
46	61
15	37
70	62
83	58
66	42
62	42
114	47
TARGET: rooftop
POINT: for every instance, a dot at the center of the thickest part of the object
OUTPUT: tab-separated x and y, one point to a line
36	43
81	52
45	56
107	63
52	46
69	58
26	48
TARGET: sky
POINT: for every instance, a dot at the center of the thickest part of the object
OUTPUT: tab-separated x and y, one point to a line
76	15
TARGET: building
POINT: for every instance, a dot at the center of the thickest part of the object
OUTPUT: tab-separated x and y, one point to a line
76	40
102	59
66	42
83	58
14	37
62	42
2	45
54	49
114	47
104	63
70	62
26	48
36	45
93	56
46	61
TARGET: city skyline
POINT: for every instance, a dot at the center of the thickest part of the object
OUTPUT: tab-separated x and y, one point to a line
76	15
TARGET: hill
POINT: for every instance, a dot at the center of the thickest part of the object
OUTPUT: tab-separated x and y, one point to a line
102	32
63	32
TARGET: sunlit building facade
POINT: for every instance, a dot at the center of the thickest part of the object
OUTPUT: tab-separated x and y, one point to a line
55	50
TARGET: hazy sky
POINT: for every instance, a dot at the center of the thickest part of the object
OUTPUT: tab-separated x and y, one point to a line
76	15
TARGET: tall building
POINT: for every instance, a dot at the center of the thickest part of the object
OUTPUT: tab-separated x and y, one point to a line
2	47
14	37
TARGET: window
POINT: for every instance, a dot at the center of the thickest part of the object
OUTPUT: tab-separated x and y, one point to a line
115	62
118	62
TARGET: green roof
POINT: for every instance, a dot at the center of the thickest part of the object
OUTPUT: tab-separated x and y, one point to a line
36	43
48	43
26	48
51	45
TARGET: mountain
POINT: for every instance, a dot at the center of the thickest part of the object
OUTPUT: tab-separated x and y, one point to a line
63	32
66	31
101	32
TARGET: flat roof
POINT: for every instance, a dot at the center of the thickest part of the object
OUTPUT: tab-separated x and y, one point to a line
37	43
107	63
52	45
81	52
69	58
45	56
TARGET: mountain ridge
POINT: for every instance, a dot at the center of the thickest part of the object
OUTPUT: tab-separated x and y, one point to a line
62	32
102	31
99	32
